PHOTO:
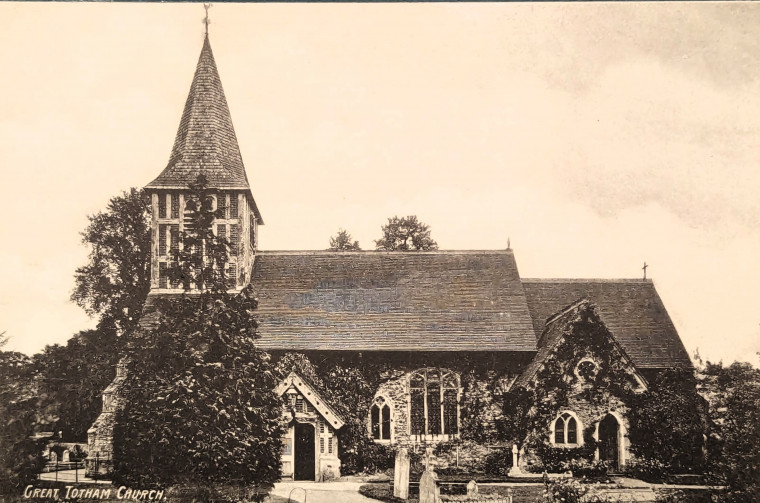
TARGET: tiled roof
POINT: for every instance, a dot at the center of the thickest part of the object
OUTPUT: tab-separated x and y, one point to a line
552	335
206	141
392	301
631	309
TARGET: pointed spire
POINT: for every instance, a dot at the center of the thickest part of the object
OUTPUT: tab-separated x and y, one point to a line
206	141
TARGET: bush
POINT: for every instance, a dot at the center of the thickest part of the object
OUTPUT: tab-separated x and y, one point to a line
649	470
585	468
556	460
378	458
442	448
498	462
570	491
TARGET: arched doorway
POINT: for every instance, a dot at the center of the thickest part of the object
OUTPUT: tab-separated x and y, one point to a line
609	440
304	452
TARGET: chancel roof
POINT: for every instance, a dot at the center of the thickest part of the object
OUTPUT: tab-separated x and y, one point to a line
631	309
392	301
206	141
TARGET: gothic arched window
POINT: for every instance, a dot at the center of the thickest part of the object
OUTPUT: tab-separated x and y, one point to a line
565	430
434	402
380	420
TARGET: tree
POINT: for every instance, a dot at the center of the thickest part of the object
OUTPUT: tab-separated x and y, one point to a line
116	280
200	407
405	234
733	394
342	241
667	422
200	260
20	453
71	378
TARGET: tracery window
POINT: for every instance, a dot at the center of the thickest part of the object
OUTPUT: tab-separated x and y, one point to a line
380	420
434	402
566	429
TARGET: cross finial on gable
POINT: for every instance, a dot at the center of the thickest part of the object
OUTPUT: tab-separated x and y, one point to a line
645	270
206	20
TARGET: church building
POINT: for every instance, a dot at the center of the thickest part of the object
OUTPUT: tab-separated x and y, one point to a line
443	326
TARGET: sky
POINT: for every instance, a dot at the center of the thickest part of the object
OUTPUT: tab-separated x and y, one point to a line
593	136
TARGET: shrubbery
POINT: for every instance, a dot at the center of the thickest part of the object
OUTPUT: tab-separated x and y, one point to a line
567	490
584	468
649	470
378	458
498	462
556	460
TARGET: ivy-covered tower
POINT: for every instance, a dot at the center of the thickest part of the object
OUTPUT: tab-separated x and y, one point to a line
205	144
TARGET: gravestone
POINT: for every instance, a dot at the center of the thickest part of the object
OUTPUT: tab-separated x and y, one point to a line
401	475
472	488
429	490
66	456
53	457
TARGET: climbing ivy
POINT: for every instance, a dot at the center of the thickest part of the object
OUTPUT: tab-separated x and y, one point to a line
529	410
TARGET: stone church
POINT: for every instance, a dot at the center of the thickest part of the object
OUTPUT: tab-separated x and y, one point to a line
436	320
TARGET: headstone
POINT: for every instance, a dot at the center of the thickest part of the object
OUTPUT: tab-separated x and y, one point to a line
53	457
429	491
472	488
401	475
66	456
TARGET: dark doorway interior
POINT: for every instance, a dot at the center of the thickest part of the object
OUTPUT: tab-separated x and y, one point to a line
608	441
304	452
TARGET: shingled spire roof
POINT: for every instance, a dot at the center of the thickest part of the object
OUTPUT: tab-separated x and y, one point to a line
206	141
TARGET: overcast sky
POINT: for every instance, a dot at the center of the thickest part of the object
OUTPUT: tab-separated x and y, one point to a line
595	136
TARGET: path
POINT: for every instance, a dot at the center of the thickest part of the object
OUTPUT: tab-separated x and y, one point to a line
322	492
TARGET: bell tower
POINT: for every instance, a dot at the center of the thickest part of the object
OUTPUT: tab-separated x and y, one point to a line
205	144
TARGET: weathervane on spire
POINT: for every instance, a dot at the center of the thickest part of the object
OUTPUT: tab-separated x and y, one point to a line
206	20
